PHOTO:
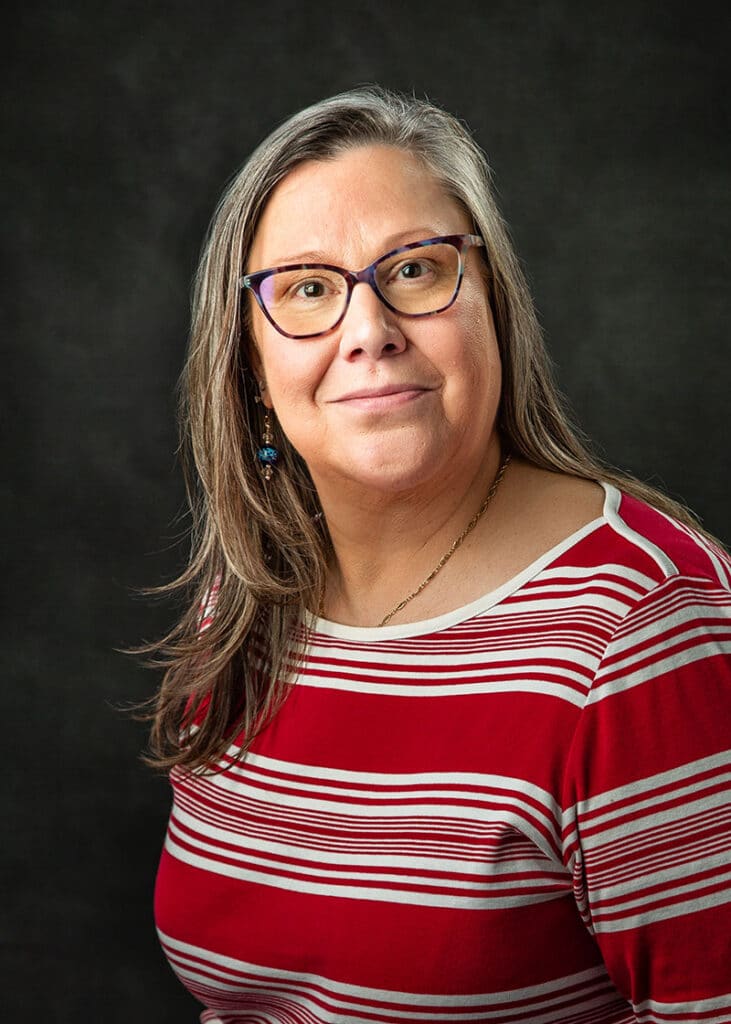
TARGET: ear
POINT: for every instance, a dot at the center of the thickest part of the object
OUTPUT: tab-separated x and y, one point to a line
258	371
264	395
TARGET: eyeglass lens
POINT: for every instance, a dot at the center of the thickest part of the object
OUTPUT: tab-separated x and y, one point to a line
416	282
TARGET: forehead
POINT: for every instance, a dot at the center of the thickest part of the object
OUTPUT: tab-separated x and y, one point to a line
351	208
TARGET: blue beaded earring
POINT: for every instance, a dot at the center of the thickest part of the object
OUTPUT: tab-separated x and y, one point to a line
267	455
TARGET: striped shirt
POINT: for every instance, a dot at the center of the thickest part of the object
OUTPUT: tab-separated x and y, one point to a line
519	811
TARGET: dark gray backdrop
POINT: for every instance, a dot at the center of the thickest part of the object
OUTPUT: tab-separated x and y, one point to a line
607	126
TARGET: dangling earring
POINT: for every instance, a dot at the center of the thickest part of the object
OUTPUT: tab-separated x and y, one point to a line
267	455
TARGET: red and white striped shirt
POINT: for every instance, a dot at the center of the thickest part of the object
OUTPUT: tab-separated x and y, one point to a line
516	812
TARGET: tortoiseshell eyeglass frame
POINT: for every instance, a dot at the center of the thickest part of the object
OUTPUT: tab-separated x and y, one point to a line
254	281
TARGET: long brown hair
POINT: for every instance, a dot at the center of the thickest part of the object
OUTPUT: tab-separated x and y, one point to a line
262	550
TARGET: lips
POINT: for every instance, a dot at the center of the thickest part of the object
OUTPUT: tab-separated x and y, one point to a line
385	391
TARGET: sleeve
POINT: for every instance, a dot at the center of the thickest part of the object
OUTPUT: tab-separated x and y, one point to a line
208	605
196	709
647	805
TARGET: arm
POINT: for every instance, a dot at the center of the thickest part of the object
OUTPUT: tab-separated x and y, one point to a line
647	804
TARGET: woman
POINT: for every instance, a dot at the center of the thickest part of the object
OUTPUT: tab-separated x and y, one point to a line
455	718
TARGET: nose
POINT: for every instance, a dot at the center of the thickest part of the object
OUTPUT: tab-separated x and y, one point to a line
370	328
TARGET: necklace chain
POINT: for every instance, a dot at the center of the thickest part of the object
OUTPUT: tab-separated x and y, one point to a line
455	544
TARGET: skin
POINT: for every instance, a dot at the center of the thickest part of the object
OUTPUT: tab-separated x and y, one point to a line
394	416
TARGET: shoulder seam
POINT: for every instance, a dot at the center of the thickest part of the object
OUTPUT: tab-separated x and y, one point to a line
714	555
619	525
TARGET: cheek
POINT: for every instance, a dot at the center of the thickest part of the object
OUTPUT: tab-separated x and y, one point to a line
480	355
293	371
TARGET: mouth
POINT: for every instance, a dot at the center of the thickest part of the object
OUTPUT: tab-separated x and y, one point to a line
383	397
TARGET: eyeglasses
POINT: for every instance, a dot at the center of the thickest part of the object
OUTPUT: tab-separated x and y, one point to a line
306	300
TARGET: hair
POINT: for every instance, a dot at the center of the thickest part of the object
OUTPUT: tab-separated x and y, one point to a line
258	551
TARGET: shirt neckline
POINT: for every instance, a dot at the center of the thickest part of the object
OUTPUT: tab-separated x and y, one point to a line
372	634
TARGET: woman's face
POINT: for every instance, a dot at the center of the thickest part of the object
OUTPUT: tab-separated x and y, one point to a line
384	401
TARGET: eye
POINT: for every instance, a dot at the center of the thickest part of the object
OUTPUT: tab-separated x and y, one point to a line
411	270
310	290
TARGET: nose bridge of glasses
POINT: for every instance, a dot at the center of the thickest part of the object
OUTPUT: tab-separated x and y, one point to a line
365	276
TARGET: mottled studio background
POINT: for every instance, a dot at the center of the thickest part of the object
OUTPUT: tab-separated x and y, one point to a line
608	129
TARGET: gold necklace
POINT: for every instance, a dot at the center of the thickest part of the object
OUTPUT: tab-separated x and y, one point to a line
448	554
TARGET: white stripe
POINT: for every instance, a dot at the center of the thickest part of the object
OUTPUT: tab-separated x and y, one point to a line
443	843
602	879
650	900
686	623
507	812
369	996
466	688
474	879
419	897
605	573
633	806
654	782
263	790
722	1002
536	605
682	600
624	798
317	1011
425	664
651	821
675	660
646	881
299	851
483	781
288	822
664	913
615	520
718	559
551	589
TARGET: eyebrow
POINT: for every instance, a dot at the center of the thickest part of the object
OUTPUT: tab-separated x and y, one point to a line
389	243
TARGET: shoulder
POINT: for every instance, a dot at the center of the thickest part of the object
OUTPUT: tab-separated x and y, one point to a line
668	549
615	551
617	529
680	627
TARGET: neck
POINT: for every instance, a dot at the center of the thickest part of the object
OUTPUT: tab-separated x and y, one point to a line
385	545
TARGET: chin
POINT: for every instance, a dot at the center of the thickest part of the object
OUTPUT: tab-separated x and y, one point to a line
397	469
